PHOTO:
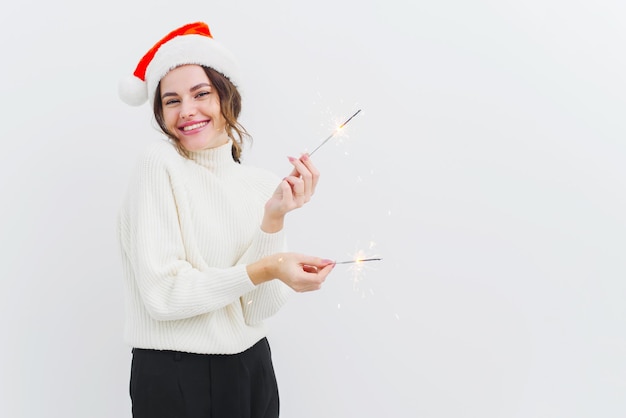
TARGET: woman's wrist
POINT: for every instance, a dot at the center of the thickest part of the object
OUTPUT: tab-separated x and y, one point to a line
257	272
272	224
262	270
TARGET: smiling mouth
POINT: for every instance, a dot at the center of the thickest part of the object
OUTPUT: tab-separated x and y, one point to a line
194	126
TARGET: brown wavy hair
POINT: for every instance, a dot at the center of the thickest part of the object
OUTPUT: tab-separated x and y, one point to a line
230	105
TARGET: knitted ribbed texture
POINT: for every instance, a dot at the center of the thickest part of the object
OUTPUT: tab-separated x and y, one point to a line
187	229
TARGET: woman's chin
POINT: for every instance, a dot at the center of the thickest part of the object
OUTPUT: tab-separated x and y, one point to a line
199	144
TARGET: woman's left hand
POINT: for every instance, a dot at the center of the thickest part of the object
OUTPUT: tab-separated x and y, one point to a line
293	192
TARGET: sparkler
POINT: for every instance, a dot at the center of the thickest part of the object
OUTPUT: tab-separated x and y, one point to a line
357	266
358	260
335	133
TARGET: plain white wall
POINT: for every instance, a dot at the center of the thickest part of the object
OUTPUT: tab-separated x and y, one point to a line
486	168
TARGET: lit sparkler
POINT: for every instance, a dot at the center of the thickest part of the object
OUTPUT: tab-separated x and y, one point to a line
357	265
335	133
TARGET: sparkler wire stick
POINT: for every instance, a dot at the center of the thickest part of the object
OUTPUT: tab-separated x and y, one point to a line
358	260
334	133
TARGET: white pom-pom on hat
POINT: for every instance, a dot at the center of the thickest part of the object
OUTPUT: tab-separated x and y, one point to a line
132	90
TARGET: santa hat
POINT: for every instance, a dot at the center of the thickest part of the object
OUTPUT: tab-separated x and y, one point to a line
189	44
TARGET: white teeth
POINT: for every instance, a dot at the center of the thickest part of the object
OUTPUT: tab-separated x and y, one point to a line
194	126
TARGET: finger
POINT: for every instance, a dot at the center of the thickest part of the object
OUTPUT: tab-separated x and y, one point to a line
286	189
297	190
305	174
325	271
309	269
315	174
318	262
314	281
294	172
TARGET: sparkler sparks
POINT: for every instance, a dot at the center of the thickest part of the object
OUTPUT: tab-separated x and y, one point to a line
335	132
357	266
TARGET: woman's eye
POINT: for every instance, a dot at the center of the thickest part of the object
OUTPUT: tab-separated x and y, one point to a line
203	93
171	101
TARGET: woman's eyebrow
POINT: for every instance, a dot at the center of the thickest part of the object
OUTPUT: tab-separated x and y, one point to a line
194	88
197	86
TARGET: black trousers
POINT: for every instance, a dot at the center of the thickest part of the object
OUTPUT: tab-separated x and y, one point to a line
173	384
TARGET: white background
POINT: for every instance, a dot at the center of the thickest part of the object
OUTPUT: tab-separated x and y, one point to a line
486	169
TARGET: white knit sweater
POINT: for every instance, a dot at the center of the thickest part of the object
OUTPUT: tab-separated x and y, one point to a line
187	229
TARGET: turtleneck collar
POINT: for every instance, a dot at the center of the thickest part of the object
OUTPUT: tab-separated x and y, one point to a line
217	158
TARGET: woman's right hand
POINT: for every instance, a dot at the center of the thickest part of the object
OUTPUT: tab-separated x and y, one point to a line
301	272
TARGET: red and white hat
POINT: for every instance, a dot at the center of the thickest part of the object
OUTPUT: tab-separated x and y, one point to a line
189	44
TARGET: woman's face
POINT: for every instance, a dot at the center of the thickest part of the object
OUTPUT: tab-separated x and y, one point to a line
191	108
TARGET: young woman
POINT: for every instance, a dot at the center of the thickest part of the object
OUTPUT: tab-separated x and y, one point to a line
202	242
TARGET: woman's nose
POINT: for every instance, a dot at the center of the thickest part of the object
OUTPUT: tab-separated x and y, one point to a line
187	110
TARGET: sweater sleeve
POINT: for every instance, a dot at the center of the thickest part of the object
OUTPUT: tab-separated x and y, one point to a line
170	287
